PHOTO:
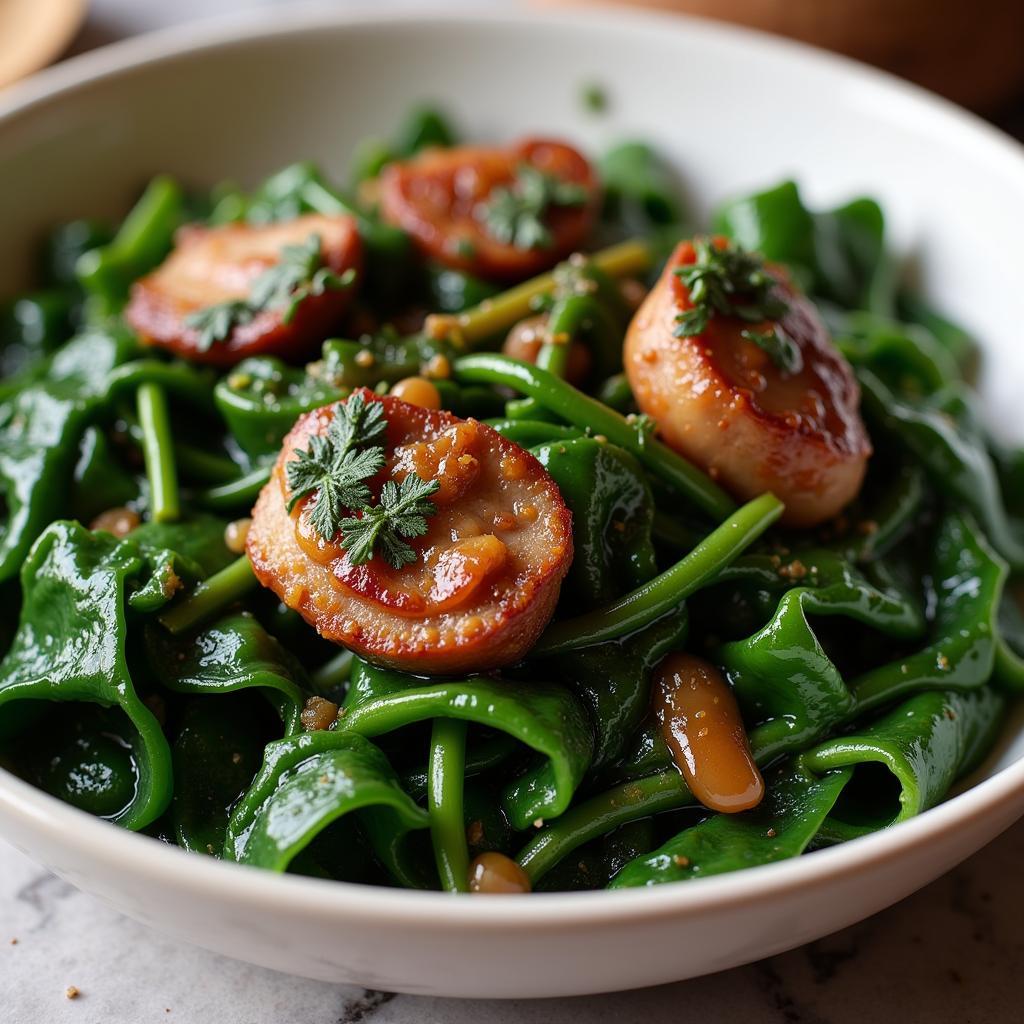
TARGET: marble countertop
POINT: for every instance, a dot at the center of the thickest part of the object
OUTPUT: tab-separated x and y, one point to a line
952	952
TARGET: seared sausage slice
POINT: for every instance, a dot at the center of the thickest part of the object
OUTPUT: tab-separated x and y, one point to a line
487	573
441	196
210	266
721	401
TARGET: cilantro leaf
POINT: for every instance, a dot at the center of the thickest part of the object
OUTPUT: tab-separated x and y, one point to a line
514	214
733	282
400	513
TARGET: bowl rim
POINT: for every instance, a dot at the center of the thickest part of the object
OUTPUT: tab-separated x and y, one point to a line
150	860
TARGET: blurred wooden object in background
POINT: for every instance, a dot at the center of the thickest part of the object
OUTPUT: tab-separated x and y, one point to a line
969	50
35	32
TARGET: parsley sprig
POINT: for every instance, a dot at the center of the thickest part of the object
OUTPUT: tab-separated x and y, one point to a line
335	468
337	463
514	214
781	348
298	274
401	512
733	282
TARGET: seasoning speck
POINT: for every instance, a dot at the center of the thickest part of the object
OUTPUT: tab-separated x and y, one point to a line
235	535
318	714
795	570
72	992
594	97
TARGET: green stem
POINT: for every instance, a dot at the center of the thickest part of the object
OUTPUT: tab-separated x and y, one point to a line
204	465
177	379
527	433
445	776
663	791
332	672
192	461
589	414
599	815
140	244
376	234
569	318
158	449
499	313
326	201
210	597
667	590
616	392
668	530
239	493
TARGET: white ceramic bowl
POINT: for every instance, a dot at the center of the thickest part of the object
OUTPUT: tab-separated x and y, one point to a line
735	110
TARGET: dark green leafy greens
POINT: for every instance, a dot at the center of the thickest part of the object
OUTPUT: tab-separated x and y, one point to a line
872	660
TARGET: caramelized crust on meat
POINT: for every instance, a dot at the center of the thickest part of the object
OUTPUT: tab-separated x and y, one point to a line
721	401
487	574
437	197
213	265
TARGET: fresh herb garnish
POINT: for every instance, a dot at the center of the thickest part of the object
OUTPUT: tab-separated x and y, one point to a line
730	281
645	426
595	99
514	214
336	466
401	512
783	350
298	274
215	323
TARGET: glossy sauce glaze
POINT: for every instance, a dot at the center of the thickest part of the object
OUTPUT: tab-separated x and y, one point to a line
701	724
209	266
438	196
495	874
721	401
487	572
526	338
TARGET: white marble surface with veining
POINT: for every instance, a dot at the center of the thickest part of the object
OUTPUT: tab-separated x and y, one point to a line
951	953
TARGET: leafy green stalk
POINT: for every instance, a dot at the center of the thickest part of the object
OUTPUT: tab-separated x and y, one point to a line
158	449
668	590
444	797
211	596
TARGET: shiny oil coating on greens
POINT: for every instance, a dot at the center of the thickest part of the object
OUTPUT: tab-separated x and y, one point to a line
147	679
